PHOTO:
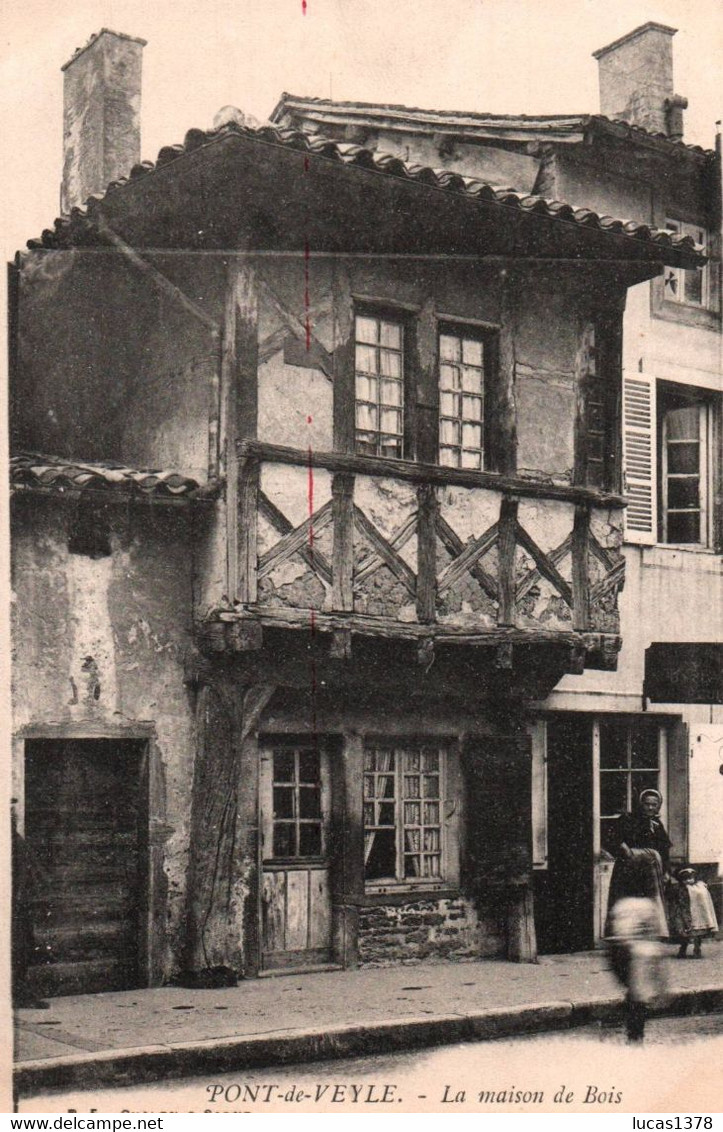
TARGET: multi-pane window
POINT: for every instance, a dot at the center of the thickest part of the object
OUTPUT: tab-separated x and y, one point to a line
683	457
379	370
403	813
679	285
297	803
461	400
629	763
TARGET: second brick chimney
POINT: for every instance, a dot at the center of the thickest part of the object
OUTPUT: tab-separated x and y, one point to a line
101	115
636	80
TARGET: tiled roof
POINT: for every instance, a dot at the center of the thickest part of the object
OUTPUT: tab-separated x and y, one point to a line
552	127
34	471
78	226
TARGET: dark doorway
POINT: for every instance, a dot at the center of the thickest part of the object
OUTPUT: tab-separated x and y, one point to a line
564	891
85	842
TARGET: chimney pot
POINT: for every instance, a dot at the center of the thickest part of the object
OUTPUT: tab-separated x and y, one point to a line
101	115
636	80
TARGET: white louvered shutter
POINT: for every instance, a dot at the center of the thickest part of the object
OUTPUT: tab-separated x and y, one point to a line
640	458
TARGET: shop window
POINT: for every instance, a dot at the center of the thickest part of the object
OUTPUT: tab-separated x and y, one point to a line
629	763
379	379
403	830
692	287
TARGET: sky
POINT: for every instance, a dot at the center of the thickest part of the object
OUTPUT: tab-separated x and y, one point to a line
501	56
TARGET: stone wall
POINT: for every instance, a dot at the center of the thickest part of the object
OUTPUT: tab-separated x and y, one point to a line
423	929
98	649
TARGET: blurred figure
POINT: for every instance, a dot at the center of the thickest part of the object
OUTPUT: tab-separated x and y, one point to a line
692	915
637	958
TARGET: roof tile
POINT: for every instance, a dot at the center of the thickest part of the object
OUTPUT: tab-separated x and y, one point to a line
34	470
70	230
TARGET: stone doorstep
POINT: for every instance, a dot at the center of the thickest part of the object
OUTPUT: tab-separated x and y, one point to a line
185	1059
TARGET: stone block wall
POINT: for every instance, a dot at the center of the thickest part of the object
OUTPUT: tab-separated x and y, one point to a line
447	928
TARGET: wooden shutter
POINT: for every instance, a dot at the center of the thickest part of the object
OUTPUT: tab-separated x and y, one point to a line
539	793
640	458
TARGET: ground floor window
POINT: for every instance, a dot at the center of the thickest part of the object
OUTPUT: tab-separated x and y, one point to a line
403	792
629	763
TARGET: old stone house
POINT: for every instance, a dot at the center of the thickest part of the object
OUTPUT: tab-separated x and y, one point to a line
276	697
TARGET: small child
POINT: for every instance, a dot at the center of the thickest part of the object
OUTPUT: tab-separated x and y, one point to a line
692	915
637	959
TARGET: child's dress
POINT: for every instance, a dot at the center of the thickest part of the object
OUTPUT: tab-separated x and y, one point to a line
692	915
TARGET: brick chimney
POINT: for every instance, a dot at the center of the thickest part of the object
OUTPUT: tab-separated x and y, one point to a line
101	115
636	80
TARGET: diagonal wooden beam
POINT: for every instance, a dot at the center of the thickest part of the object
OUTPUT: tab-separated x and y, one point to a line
601	553
453	544
388	556
535	576
162	282
547	569
294	541
399	539
612	580
295	324
469	556
313	558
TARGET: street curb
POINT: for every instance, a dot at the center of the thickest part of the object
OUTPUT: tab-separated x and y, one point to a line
164	1062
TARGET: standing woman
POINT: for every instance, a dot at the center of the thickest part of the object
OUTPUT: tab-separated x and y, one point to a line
642	857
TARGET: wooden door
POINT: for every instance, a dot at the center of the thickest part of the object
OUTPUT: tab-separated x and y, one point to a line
84	851
564	911
296	892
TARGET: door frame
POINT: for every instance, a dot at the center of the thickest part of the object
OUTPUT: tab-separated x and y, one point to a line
329	744
155	831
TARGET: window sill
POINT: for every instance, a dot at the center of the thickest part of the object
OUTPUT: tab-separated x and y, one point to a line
672	556
400	894
687	315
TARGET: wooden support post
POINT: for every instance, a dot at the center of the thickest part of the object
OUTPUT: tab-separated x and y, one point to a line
521	937
342	491
425	651
347	848
580	568
426	553
340	644
504	655
506	545
245	636
344	361
247	587
576	660
425	446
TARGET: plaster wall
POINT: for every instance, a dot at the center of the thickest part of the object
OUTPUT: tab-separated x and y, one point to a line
99	644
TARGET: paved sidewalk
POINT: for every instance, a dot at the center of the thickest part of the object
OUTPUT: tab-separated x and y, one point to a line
129	1036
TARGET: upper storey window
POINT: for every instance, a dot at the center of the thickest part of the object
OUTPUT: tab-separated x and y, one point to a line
691	288
379	377
461	399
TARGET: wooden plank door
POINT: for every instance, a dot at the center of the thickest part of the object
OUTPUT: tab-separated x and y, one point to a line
295	893
84	802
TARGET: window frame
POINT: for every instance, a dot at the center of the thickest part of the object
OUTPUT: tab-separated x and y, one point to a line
666	392
600	379
270	748
700	235
658	730
399	883
401	317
